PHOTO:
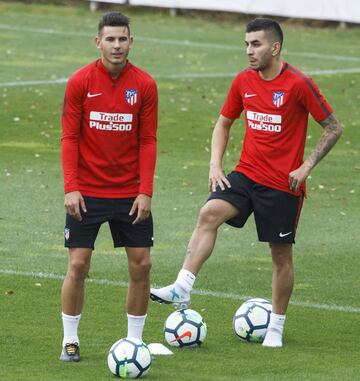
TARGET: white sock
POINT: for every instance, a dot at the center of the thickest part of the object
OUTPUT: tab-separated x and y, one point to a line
136	326
275	330
70	325
185	280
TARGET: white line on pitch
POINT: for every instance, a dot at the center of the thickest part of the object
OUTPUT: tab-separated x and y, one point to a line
34	82
215	294
353	70
177	76
181	43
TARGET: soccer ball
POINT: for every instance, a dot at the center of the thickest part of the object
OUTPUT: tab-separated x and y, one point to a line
129	358
251	320
185	328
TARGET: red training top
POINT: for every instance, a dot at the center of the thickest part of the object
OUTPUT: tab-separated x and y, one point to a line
276	116
109	132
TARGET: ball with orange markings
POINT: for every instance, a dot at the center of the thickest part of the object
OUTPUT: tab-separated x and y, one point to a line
185	328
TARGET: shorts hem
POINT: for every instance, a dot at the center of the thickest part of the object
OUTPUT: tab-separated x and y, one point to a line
217	196
78	246
276	241
133	245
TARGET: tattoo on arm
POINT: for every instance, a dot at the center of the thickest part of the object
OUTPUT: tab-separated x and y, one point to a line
331	134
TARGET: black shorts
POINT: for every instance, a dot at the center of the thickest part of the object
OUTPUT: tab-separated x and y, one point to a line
276	213
115	211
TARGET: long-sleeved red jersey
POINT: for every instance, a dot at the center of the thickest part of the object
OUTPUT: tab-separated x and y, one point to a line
109	132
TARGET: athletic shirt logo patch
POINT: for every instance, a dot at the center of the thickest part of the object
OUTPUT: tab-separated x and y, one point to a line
278	98
131	96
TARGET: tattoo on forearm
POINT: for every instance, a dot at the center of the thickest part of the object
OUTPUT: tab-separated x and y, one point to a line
331	134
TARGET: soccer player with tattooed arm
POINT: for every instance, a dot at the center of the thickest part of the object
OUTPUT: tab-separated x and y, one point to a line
269	179
109	126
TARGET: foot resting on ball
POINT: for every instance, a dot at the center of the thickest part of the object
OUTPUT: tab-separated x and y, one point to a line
172	294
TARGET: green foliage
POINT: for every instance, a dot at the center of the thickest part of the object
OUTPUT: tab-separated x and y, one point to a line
44	42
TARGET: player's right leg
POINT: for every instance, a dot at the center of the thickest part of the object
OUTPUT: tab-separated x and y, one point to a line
79	239
214	213
72	299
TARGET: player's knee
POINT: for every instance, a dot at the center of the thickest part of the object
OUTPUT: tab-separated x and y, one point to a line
140	270
282	255
283	265
79	268
208	217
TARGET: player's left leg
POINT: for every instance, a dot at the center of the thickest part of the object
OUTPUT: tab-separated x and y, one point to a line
277	215
283	276
139	264
137	240
282	286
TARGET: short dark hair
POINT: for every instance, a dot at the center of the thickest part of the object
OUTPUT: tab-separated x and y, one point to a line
267	25
113	19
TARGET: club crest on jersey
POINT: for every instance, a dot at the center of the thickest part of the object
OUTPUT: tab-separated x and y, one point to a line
278	98
131	96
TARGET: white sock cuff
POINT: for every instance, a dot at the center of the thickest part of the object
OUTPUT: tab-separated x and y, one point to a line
277	317
185	280
70	317
277	321
187	274
136	325
139	319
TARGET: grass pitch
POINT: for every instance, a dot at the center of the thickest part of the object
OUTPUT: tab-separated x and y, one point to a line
194	62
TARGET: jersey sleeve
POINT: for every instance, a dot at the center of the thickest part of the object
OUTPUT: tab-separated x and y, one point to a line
147	138
71	123
313	100
233	105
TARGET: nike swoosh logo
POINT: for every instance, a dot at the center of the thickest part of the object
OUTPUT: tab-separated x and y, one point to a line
281	235
250	95
93	95
185	334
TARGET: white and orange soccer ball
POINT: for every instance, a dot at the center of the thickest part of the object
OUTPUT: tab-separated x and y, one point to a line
185	328
251	320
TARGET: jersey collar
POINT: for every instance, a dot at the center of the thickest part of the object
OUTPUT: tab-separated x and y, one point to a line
283	68
99	64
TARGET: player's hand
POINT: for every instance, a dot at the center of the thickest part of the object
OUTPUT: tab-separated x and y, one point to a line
217	178
74	204
298	176
142	204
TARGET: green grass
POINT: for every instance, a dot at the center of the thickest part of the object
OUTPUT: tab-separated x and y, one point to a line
321	344
223	357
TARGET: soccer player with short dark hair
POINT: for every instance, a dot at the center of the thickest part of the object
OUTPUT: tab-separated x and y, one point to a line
269	179
109	126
